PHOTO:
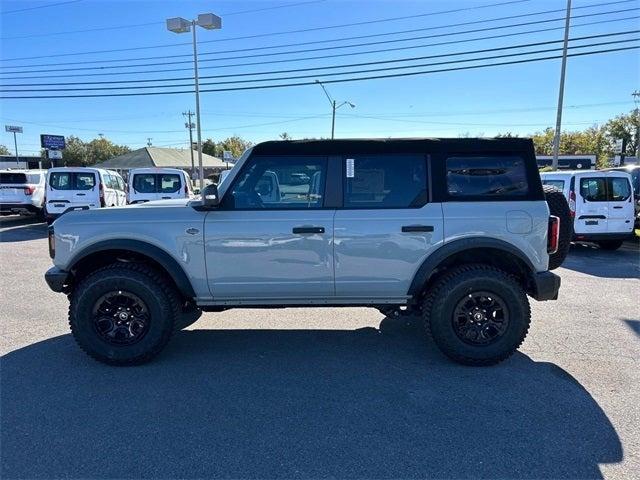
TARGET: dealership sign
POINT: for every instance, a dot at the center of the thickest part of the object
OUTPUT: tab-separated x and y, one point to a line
13	129
53	142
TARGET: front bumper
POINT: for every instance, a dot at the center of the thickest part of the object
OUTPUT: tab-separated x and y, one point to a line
546	286
57	279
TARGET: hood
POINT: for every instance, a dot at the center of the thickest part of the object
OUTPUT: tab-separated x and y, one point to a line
174	202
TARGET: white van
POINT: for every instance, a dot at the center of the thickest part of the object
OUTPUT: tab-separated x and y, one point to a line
601	203
82	188
146	184
22	191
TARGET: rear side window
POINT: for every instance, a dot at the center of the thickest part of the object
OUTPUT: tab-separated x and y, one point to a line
169	183
144	183
559	184
593	189
34	178
72	180
486	176
385	181
9	178
619	189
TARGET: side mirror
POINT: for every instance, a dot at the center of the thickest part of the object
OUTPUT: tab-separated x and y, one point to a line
210	197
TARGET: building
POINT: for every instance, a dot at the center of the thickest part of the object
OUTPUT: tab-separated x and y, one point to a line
24	162
568	162
164	157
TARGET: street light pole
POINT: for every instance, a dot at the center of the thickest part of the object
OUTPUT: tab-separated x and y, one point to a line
207	21
556	137
334	107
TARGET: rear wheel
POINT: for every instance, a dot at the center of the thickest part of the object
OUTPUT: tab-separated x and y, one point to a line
123	314
610	244
477	315
559	207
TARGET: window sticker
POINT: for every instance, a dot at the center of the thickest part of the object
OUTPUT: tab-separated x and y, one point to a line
351	169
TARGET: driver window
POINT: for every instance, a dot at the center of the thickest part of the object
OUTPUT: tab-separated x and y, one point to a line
280	183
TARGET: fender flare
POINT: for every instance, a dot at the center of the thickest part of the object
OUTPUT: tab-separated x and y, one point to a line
170	265
426	270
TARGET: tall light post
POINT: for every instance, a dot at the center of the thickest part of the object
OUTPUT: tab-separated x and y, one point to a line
334	107
208	21
563	68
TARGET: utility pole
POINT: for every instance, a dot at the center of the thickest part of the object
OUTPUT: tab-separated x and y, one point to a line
334	107
190	125
556	138
636	99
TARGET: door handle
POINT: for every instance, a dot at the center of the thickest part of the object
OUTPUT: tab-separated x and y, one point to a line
80	194
308	229
417	228
617	207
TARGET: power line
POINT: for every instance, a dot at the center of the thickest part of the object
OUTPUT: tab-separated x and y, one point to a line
40	6
137	25
304	30
380	62
300	59
344	80
259	55
314	42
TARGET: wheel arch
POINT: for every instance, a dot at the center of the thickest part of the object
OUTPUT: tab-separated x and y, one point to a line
109	251
491	251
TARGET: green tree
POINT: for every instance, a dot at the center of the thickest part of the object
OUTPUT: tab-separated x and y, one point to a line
4	150
81	153
624	127
236	145
75	152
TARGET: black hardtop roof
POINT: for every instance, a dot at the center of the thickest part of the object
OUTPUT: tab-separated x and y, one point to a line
394	145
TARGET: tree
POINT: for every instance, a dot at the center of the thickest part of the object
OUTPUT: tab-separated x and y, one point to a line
236	145
285	136
4	150
80	153
624	127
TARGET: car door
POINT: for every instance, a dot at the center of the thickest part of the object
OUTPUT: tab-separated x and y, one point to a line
592	204
621	208
263	247
386	226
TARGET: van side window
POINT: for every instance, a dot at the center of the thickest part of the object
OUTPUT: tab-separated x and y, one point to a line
559	184
120	183
486	176
169	182
144	183
593	189
385	181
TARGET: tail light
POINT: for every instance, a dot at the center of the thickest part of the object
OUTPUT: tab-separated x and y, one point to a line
572	203
52	242
102	202
29	190
553	235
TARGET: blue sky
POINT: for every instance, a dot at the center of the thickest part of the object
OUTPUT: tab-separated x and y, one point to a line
517	98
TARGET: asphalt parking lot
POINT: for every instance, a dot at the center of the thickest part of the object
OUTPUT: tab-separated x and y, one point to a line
323	392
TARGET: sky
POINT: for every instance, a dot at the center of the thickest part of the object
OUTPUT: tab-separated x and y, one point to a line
63	41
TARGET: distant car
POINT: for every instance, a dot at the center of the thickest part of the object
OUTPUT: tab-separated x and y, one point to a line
147	184
601	203
22	191
82	188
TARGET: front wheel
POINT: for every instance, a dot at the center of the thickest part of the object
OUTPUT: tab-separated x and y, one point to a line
610	244
477	315
123	314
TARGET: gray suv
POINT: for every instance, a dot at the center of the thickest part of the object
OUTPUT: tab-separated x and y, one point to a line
457	231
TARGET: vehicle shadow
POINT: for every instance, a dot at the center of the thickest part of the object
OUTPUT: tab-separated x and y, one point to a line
367	403
590	259
634	325
21	229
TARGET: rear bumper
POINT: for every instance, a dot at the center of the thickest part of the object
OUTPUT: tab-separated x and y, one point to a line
57	279
595	237
547	285
19	207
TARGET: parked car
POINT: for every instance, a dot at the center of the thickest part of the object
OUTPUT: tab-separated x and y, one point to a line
22	191
601	203
82	188
146	184
634	171
455	230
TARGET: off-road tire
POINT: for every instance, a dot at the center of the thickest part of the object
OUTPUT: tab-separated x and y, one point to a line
141	280
559	207
453	286
610	244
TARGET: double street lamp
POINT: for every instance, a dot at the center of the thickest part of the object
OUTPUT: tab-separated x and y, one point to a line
208	21
334	107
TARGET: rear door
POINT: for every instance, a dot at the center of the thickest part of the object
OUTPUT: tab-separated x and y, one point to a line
169	185
386	226
12	187
66	189
621	209
592	204
143	187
